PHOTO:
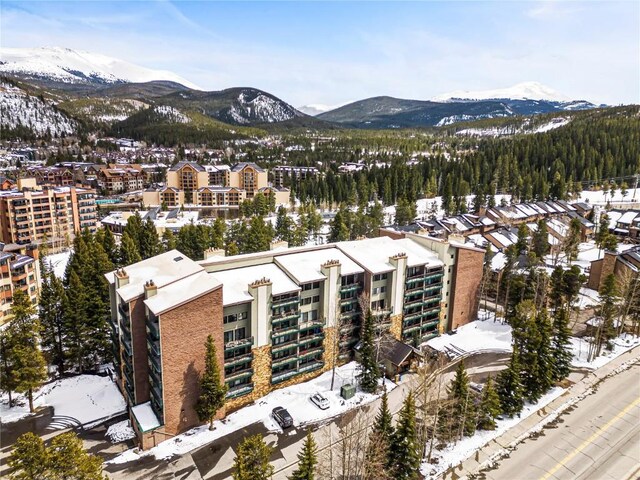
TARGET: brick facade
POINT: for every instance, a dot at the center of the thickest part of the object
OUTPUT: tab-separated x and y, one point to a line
465	289
139	345
183	335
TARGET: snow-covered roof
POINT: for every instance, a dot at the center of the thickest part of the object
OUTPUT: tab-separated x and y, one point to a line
163	269
628	217
145	417
177	293
305	266
236	282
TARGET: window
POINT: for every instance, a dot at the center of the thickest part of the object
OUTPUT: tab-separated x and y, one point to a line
377	290
237	334
228	336
310	286
378	305
312	315
379	276
316	298
234	317
306	301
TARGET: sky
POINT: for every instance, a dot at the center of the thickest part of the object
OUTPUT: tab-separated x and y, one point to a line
333	52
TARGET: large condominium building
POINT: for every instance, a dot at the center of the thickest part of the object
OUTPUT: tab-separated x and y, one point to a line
19	270
278	318
120	178
213	186
32	215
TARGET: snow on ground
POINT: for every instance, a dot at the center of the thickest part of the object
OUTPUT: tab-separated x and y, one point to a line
478	335
587	298
119	432
58	263
294	398
580	347
428	208
456	453
600	197
85	397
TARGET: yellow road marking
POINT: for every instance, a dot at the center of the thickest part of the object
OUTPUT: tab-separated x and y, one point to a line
590	440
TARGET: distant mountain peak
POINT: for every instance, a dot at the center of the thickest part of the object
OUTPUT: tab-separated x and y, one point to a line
314	109
520	91
59	64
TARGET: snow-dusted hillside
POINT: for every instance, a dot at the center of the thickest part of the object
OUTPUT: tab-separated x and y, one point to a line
314	109
521	91
106	110
171	114
75	66
17	108
525	127
254	106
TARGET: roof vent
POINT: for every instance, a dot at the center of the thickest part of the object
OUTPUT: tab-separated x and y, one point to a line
177	259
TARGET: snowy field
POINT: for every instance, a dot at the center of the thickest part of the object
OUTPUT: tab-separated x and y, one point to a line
600	197
86	398
475	336
294	398
58	263
453	454
580	348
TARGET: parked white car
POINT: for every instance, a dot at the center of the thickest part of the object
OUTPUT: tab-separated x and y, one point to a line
320	401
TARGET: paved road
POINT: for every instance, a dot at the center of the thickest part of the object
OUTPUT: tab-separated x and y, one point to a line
598	440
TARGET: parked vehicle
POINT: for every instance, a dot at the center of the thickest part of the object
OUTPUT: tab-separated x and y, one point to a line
320	401
282	417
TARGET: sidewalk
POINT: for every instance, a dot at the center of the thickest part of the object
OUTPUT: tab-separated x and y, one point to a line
502	445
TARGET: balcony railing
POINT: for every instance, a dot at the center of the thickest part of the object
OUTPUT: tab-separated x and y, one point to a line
287	301
350	287
284	360
154	347
279	331
240	390
153	328
310	366
235	344
280	346
310	324
246	372
281	317
311	351
237	360
282	376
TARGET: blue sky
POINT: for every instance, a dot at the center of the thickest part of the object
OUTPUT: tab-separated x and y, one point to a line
335	52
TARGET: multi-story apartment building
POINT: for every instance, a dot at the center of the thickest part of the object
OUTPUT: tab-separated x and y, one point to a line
32	215
19	269
278	317
281	172
120	178
213	186
53	176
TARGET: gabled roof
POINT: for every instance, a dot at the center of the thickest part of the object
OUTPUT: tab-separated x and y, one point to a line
240	166
196	166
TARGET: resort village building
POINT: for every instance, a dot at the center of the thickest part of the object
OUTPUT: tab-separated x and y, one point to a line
278	317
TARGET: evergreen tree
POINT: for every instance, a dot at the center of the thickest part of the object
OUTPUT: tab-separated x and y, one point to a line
561	344
608	312
8	379
489	407
539	241
50	312
405	449
74	308
168	239
447	196
109	245
252	460
463	402
212	389
129	252
307	460
382	424
509	386
546	360
64	458
149	243
339	229
370	369
379	448
29	366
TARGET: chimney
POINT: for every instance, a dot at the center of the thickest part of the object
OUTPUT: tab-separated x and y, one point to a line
214	252
150	289
122	278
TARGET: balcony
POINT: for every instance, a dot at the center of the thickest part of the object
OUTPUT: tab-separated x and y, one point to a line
235	344
286	301
381	312
310	324
154	347
291	315
279	346
124	310
156	392
247	372
126	344
293	357
350	287
310	366
240	390
347	301
153	328
239	359
282	376
311	351
414	280
279	331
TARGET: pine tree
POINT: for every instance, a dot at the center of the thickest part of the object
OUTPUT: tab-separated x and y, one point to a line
339	229
463	402
379	448
50	312
74	308
382	424
109	245
29	459
168	239
29	365
252	460
149	243
64	458
129	252
509	386
546	360
212	390
8	379
447	196
489	407
561	344
405	449
307	460
608	311
67	459
370	369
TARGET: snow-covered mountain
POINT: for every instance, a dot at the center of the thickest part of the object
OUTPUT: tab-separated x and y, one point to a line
65	65
521	91
314	109
40	116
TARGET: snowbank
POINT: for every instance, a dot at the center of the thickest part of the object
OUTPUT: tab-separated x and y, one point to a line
453	454
479	335
119	432
86	398
294	398
58	263
580	347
